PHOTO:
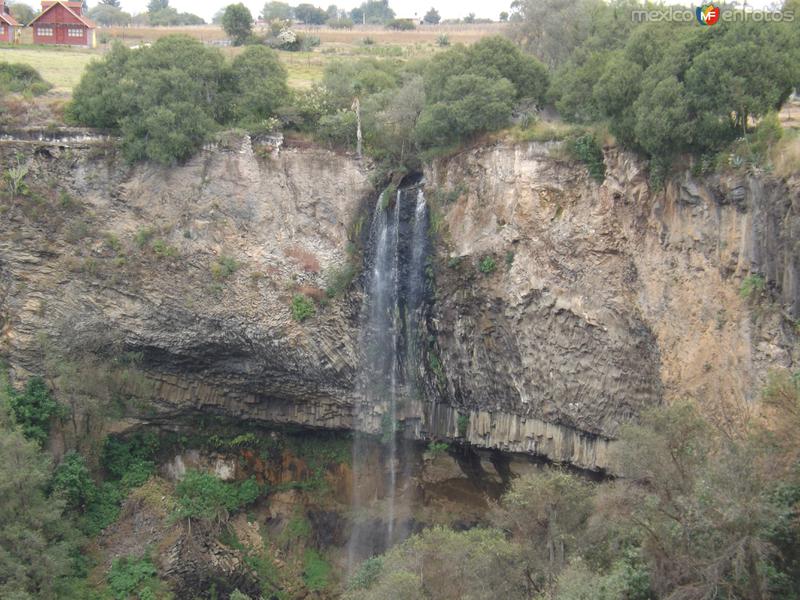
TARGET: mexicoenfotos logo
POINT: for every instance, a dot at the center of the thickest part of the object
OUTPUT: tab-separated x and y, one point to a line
708	14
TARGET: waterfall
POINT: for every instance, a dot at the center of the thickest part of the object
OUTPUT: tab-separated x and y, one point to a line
395	289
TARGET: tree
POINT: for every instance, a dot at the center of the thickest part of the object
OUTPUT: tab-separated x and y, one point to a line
157	5
37	542
503	16
237	23
22	12
439	564
33	409
276	11
547	514
332	12
470	18
310	14
260	84
432	17
107	15
375	12
114	3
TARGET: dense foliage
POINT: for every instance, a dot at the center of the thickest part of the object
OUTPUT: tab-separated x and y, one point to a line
423	108
237	22
700	513
665	88
204	496
168	99
20	78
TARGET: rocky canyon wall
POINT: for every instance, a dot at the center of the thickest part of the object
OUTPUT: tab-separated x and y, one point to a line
603	300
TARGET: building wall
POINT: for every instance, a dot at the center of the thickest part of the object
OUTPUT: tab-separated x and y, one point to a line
6	33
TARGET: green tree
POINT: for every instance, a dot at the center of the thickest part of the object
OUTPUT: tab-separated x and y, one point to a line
276	11
73	482
114	3
21	12
33	409
260	84
547	514
439	564
310	14
375	12
206	497
503	16
237	23
107	14
36	541
166	99
432	17
157	5
468	105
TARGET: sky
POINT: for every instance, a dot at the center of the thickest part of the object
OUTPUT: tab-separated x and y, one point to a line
448	9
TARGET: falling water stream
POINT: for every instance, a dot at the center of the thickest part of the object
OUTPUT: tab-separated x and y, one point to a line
391	317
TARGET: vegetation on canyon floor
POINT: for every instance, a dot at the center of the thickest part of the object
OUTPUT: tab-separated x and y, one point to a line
698	510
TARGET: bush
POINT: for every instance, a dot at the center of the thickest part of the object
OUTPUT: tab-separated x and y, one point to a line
338	129
487	265
206	497
73	482
21	78
401	25
339	23
586	149
339	279
316	571
224	267
753	286
33	409
443	41
129	576
170	98
463	425
302	308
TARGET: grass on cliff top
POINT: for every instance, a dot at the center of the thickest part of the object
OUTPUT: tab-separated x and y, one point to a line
63	67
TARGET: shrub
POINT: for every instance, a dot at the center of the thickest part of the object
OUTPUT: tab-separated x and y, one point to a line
32	409
14	180
21	78
224	267
463	425
401	25
164	250
129	575
316	571
73	482
367	573
586	149
753	286
487	265
302	308
442	41
143	236
339	279
339	23
206	497
437	448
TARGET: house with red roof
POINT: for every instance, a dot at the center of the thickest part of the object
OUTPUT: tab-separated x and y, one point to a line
9	28
63	23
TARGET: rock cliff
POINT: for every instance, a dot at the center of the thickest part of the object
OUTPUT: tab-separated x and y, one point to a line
603	299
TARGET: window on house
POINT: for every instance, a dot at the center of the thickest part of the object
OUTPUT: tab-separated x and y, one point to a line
2	29
74	32
44	31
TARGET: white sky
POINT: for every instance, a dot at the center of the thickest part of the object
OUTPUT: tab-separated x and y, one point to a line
448	9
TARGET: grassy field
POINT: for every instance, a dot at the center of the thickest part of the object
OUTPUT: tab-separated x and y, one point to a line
63	67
